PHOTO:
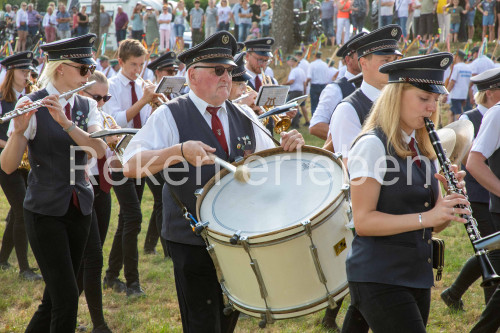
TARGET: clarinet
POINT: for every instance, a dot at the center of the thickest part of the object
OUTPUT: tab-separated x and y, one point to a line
490	278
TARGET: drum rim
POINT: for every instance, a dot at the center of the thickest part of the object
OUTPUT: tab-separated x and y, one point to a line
264	153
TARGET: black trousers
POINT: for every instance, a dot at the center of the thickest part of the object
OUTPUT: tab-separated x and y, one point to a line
124	249
471	270
102	209
155	221
58	243
490	320
389	308
14	188
198	291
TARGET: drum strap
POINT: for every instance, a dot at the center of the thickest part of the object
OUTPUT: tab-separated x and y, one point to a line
187	215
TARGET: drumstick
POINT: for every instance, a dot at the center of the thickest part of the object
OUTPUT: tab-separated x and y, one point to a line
241	172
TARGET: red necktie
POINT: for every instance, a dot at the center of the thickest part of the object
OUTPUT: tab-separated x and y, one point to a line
137	118
258	83
414	151
104	185
217	128
67	110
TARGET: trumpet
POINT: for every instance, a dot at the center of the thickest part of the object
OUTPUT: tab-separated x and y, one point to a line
281	124
107	122
38	104
163	99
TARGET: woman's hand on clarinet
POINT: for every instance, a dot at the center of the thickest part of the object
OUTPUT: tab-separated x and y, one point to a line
446	210
459	175
51	102
21	122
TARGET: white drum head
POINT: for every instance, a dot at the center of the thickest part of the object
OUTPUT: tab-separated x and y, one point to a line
285	189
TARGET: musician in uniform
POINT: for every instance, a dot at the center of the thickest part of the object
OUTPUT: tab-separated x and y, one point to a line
58	202
165	65
18	69
335	92
129	106
374	49
396	199
487	96
259	54
180	134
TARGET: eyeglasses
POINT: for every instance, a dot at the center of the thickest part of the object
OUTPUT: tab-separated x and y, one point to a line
84	69
170	71
219	70
262	61
97	98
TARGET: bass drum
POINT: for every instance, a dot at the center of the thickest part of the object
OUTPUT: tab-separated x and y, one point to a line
279	242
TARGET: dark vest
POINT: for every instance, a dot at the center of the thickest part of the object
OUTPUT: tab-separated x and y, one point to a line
475	191
345	87
49	182
402	259
6	107
193	126
361	103
494	162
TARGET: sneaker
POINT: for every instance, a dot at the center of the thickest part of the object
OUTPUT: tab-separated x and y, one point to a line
452	303
5	266
101	329
114	283
30	275
135	290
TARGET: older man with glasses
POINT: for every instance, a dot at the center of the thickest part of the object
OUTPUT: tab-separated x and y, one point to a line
178	138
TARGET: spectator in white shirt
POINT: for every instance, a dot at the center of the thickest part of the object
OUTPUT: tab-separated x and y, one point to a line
49	24
164	20
458	85
296	81
22	27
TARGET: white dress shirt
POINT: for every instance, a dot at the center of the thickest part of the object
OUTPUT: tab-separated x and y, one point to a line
304	64
318	72
253	75
298	76
368	157
49	20
330	97
488	138
94	118
161	129
345	125
121	100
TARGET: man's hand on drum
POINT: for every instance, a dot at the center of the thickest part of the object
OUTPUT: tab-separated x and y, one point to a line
196	153
292	140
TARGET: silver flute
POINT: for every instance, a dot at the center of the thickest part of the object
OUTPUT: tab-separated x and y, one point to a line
38	104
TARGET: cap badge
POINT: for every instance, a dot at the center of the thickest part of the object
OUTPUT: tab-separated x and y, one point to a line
444	62
268	41
394	32
225	39
91	40
29	55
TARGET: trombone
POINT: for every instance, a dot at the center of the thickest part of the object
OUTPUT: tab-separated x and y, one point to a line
281	124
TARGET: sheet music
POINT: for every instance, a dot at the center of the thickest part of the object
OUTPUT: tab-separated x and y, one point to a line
270	96
170	85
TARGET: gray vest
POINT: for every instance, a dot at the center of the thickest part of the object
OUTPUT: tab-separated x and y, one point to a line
49	182
193	126
403	259
475	191
361	103
6	107
345	87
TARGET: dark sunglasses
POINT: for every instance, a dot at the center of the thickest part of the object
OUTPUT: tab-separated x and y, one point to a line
97	98
84	69
219	70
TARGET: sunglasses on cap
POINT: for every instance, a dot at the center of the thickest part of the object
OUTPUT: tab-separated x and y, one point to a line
97	98
84	69
219	70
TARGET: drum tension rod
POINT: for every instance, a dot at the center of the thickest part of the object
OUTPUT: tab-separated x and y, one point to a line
236	237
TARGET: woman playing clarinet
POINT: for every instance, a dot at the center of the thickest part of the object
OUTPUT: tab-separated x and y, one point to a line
396	200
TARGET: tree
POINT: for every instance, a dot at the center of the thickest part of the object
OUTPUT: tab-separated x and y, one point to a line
282	25
96	21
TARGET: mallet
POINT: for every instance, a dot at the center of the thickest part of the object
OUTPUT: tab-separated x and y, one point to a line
241	172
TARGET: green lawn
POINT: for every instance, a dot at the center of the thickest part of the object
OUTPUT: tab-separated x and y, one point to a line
158	312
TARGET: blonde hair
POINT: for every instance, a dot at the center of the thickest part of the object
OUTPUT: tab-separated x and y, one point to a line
99	77
50	71
480	97
386	115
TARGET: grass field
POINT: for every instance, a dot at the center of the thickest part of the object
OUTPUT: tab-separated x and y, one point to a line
158	312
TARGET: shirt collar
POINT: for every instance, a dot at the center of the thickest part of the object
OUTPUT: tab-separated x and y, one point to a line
348	75
249	72
18	94
370	91
482	109
123	79
51	90
201	105
407	137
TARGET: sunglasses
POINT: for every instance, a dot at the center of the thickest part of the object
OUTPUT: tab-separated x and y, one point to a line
84	69
170	71
219	70
97	98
